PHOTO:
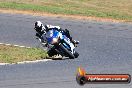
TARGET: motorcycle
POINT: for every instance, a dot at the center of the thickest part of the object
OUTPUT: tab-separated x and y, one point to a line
60	44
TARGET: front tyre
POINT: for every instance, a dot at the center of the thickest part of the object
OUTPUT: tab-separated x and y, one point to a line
68	53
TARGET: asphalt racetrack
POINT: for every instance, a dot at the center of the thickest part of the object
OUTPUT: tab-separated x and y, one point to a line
105	47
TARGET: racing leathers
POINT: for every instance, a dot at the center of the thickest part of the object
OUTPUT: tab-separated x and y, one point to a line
42	34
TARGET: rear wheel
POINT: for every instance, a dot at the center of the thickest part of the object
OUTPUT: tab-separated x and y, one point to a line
51	52
68	53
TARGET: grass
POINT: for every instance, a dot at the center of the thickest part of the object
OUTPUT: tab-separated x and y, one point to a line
12	54
115	9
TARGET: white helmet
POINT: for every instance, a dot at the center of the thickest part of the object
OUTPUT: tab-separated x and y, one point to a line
38	25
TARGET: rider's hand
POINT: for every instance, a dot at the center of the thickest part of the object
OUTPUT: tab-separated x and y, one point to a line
37	34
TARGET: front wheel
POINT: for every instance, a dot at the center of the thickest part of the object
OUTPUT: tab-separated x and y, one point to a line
68	53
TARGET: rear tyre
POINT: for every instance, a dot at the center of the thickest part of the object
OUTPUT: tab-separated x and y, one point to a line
51	52
68	53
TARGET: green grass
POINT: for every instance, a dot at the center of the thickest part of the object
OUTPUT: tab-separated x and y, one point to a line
12	54
115	9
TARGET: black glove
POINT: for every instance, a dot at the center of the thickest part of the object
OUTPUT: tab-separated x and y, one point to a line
38	35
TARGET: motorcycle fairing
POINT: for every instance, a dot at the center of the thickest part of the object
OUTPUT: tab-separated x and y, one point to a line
53	33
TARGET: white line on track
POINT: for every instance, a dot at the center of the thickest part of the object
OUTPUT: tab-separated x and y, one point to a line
8	44
14	45
24	62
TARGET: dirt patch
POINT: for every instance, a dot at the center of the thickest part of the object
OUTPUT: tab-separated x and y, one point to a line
59	15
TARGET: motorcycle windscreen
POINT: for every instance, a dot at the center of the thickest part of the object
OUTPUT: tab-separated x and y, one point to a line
51	34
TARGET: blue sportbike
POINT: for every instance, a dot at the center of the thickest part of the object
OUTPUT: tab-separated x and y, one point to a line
60	44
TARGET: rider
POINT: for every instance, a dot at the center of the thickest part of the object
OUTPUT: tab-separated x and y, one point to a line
41	29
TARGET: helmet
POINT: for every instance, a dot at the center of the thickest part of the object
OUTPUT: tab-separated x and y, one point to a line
38	26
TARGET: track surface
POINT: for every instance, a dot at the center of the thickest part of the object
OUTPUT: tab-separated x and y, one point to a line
104	48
